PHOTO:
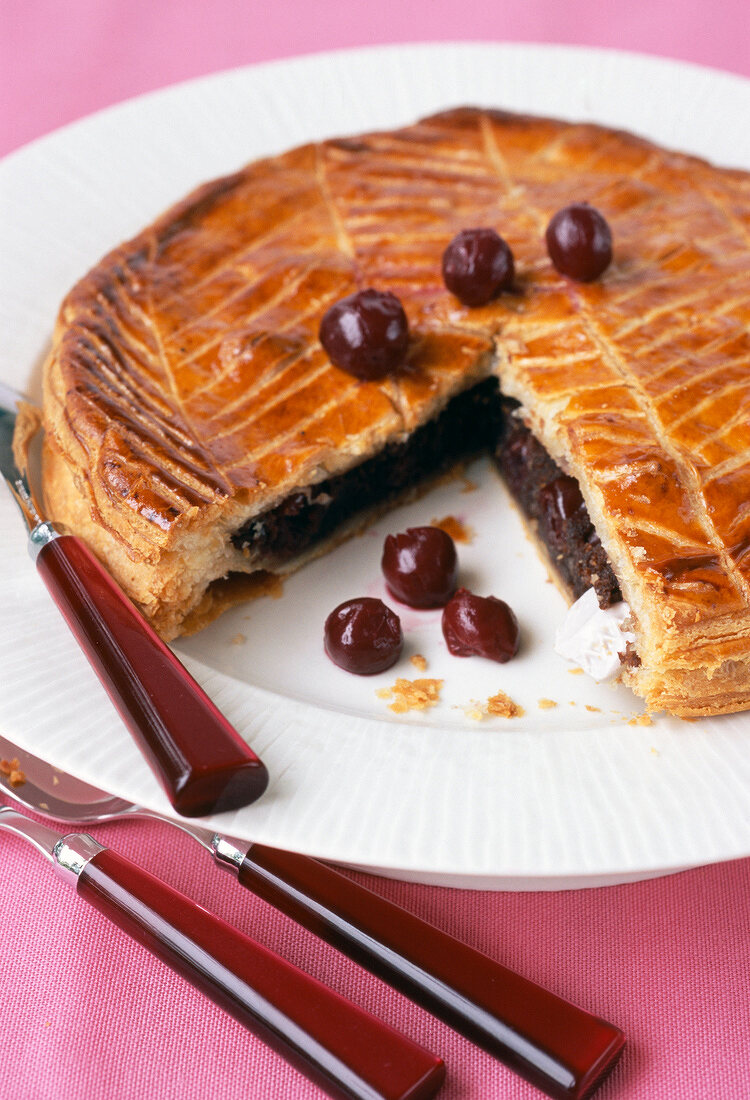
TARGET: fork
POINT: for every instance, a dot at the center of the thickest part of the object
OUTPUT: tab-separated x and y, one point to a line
338	1045
563	1050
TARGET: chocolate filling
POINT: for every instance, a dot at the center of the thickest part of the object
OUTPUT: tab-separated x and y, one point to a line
479	419
468	425
552	501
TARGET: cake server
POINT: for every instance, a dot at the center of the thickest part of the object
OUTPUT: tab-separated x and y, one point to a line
201	762
340	1046
563	1050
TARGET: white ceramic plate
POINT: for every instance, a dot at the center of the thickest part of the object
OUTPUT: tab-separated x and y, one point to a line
570	796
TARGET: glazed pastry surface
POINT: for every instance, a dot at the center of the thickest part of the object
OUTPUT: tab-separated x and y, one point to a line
187	390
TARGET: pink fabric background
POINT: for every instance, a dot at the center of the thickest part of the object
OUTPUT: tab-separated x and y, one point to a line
88	1015
59	61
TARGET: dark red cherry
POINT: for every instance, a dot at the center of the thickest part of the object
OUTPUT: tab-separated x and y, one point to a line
579	242
480	625
366	334
363	636
477	265
560	501
420	566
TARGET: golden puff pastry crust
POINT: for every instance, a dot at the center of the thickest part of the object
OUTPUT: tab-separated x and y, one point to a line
187	392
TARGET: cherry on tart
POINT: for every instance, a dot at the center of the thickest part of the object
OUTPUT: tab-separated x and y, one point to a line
363	636
481	626
477	266
366	334
420	566
579	242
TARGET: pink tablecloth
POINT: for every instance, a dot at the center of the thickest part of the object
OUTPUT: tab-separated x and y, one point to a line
89	1015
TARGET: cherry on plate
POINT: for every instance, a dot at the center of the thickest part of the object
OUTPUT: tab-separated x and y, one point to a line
579	242
420	566
477	266
366	334
363	636
481	626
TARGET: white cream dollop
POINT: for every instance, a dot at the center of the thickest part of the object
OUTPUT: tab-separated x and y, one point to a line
594	637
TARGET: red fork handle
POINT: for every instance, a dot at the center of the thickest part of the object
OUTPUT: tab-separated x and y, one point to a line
562	1049
202	763
345	1050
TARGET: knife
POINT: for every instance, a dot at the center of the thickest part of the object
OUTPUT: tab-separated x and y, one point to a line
201	762
342	1047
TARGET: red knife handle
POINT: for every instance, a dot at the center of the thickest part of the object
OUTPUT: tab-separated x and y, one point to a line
340	1046
561	1049
201	761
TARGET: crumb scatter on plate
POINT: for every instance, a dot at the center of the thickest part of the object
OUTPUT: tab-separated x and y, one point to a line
412	694
456	528
503	706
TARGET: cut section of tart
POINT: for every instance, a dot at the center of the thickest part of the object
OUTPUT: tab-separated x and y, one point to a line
196	430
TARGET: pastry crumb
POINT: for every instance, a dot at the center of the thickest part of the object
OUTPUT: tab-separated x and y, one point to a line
238	639
452	526
546	704
503	706
641	720
412	694
654	752
594	710
575	671
12	770
475	711
419	662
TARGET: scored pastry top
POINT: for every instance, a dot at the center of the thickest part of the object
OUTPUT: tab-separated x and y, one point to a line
187	384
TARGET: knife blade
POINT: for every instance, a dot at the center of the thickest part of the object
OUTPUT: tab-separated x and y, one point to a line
202	763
